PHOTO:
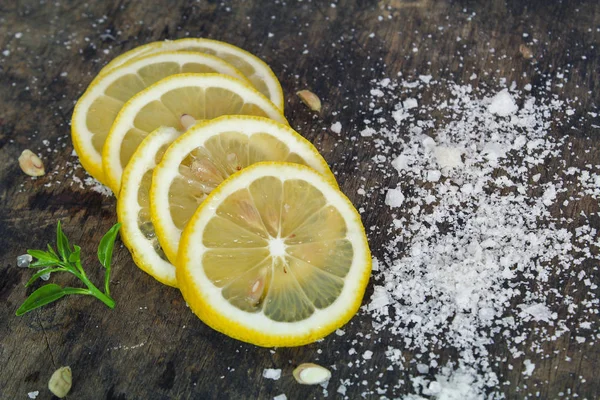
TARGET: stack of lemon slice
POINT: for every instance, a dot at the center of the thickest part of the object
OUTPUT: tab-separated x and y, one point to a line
218	196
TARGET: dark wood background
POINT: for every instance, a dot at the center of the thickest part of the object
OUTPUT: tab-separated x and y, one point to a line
151	346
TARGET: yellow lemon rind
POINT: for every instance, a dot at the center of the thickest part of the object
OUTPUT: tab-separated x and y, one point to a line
141	250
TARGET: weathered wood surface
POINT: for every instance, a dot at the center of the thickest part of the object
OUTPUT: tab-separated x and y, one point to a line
151	346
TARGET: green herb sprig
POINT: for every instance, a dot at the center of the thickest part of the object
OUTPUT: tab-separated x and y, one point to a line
67	258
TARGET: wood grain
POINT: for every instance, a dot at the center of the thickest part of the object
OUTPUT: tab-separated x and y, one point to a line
151	346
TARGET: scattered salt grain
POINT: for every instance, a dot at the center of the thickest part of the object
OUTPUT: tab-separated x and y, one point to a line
280	397
379	298
529	367
466	247
503	104
367	132
18	35
336	127
24	260
272	373
367	355
433	176
33	395
410	103
6	53
448	157
537	311
394	198
423	368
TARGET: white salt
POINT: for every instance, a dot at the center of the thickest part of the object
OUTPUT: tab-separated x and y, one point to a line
272	373
529	367
410	103
503	104
448	157
336	127
367	132
394	197
433	176
379	298
400	163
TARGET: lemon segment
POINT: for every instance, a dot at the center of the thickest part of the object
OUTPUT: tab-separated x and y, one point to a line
98	107
208	153
201	96
264	287
133	207
257	71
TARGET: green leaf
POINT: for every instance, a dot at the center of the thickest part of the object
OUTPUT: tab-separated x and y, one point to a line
42	296
40	264
105	248
75	255
51	251
105	252
42	272
62	243
42	255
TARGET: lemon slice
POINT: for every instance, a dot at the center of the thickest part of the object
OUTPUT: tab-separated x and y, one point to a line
97	109
275	256
256	70
133	207
197	162
201	96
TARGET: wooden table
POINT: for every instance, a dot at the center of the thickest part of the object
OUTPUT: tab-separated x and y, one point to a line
151	346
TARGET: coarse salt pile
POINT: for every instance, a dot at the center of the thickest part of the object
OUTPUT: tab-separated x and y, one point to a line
476	230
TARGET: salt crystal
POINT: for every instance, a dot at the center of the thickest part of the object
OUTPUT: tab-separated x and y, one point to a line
423	368
18	35
367	355
367	132
425	78
428	143
45	276
280	397
549	196
433	176
24	260
6	53
379	298
33	395
341	390
272	373
538	311
503	104
336	127
394	197
529	367
400	163
410	103
448	157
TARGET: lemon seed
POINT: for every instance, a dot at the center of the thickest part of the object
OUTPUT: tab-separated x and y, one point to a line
31	164
310	99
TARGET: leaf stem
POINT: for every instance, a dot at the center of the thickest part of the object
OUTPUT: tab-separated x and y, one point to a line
94	291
